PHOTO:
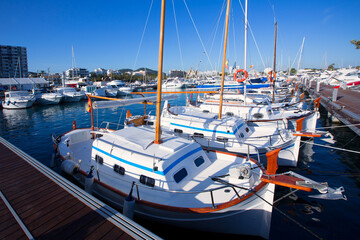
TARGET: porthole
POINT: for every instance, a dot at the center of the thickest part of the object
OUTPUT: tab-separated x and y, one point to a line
178	130
200	135
119	169
229	114
258	115
99	159
222	139
241	135
247	129
148	181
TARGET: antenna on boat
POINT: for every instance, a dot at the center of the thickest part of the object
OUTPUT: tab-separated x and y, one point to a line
161	48
224	57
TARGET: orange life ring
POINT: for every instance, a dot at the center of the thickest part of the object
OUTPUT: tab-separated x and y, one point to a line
271	76
243	79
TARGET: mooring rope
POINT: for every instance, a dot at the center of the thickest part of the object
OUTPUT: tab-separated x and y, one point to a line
272	205
341	149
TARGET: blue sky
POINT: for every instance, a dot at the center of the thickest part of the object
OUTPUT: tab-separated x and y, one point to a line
107	34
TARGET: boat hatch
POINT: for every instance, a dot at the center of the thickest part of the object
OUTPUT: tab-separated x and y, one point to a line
173	145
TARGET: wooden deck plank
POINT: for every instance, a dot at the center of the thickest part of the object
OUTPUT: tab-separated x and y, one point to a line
46	209
72	224
98	233
44	205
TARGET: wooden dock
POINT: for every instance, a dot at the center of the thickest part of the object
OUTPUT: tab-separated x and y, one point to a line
346	106
37	203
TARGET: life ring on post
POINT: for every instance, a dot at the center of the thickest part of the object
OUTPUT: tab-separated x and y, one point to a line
271	76
242	79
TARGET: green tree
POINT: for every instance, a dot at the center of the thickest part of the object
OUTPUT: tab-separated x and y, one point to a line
356	43
293	71
331	67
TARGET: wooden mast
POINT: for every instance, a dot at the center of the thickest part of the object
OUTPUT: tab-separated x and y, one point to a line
161	48
224	57
273	97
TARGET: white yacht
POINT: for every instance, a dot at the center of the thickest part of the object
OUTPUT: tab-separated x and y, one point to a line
18	100
48	98
173	83
70	94
121	87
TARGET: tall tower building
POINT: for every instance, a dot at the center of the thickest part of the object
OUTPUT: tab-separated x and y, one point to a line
13	62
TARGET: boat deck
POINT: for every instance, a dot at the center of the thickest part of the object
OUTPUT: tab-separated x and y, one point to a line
37	203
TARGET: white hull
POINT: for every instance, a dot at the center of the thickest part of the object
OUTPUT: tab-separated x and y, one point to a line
253	218
17	104
68	98
48	99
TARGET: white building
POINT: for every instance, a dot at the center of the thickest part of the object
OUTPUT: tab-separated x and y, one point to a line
100	71
76	72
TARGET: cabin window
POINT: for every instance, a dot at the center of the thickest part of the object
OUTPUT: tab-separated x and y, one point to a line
200	135
7	95
199	161
178	130
148	181
180	175
99	159
229	114
119	169
241	135
205	111
150	123
247	129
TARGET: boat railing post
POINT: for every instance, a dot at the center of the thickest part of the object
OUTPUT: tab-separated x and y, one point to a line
212	199
318	85
335	93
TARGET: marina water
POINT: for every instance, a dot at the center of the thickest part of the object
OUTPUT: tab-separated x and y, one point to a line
31	129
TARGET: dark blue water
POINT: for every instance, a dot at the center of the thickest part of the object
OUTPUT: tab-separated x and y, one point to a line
31	130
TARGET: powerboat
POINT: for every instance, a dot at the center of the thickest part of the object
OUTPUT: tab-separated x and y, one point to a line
70	94
18	100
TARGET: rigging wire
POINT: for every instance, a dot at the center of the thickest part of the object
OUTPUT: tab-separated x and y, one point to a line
252	34
178	38
192	20
217	25
142	36
233	24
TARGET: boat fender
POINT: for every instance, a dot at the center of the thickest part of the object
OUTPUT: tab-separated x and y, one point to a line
129	204
89	181
70	167
74	125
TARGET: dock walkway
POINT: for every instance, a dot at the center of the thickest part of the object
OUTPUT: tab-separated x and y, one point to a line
37	203
346	108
